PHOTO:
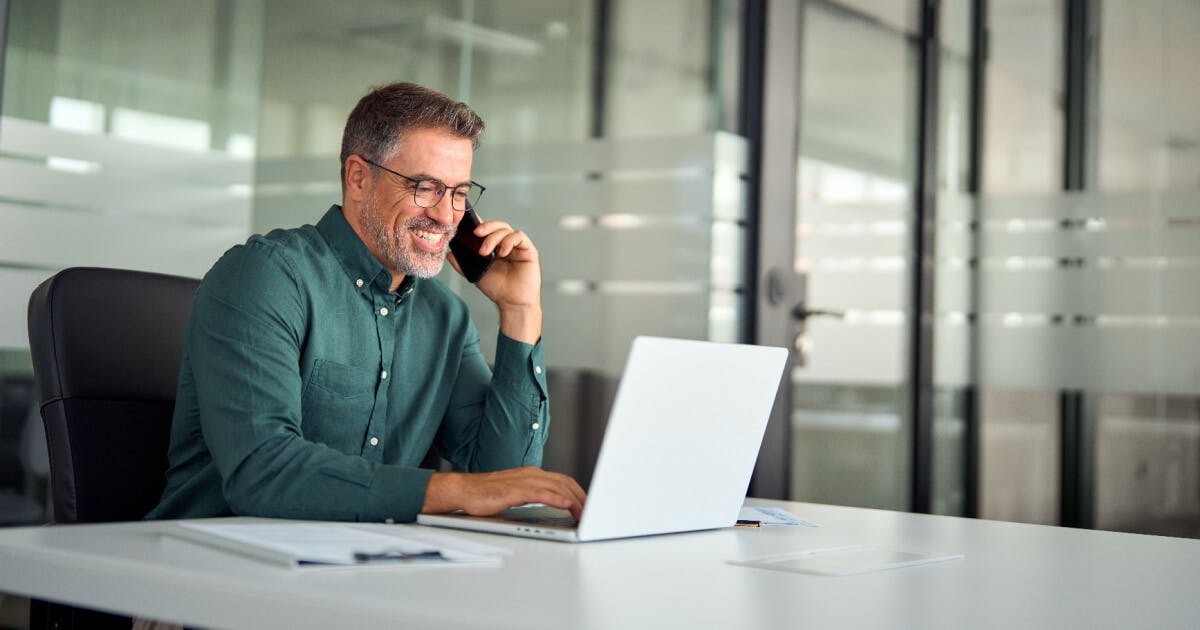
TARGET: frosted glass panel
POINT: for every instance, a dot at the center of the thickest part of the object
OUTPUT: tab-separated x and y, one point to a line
1091	291
857	159
636	237
130	145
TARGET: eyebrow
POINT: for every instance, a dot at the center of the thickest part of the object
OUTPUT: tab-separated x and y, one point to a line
428	176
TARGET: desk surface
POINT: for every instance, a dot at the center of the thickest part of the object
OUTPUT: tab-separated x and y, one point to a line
1013	575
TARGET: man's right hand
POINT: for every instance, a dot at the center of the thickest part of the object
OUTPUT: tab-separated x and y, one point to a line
484	494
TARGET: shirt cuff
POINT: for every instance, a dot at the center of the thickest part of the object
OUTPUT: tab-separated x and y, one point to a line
519	363
397	493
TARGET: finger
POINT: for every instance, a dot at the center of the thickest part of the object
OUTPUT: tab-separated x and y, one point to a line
570	490
517	241
570	487
559	487
487	227
565	502
511	241
577	491
493	240
453	262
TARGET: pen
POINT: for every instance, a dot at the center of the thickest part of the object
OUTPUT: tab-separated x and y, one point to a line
364	556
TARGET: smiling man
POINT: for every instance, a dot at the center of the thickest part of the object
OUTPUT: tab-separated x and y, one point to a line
321	363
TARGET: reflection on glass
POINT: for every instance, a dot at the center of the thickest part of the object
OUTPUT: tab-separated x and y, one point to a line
1023	119
1143	253
954	243
126	141
1023	145
849	426
1148	124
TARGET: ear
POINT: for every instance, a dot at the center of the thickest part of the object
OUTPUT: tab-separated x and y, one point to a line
358	178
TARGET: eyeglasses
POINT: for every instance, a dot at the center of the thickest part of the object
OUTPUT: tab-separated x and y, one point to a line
428	193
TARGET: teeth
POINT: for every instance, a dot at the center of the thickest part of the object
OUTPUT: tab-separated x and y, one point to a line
429	237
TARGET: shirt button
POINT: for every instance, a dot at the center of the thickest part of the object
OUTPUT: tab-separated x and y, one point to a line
383	311
374	441
358	282
536	426
537	369
384	375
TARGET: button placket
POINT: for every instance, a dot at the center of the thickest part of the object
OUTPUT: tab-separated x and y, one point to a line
385	334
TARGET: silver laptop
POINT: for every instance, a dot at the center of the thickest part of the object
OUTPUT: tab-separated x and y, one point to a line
678	452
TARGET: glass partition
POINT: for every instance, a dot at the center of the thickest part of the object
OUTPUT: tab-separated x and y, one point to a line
857	162
1142	230
1023	150
127	137
1078	307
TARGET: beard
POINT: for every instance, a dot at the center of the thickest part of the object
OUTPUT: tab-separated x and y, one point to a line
399	254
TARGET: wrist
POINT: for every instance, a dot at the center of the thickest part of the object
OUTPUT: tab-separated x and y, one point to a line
442	493
522	323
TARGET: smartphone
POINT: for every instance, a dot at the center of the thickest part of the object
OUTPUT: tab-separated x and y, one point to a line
465	246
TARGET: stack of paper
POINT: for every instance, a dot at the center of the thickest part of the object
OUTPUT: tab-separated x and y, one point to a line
297	544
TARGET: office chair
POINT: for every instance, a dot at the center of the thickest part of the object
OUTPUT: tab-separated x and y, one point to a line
106	347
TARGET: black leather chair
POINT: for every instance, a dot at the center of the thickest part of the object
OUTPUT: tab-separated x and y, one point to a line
106	346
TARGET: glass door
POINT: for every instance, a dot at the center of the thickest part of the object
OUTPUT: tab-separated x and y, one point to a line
838	271
856	168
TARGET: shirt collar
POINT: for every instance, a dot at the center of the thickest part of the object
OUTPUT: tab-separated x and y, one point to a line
360	265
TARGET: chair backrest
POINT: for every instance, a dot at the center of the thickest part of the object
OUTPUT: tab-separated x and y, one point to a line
106	346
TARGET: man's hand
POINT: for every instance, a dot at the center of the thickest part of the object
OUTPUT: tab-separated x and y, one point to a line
484	494
514	281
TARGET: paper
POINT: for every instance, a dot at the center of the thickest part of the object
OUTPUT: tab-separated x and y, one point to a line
843	561
772	517
303	544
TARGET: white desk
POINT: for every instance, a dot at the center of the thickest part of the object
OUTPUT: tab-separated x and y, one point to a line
1013	576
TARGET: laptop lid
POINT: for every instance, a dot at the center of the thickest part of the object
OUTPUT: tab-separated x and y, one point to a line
682	438
681	442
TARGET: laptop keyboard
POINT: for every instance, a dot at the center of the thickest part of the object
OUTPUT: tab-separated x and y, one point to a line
548	521
540	515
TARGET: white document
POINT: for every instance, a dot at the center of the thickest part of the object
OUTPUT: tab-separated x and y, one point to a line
772	517
301	544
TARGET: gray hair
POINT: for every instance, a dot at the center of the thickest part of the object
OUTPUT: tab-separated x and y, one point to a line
377	124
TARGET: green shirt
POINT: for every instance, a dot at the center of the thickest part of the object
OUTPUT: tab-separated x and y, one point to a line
310	390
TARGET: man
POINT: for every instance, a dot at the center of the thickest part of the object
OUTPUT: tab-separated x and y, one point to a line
321	363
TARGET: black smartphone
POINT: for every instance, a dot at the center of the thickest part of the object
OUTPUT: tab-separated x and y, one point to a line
465	246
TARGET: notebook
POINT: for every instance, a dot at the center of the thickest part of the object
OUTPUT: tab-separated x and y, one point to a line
678	452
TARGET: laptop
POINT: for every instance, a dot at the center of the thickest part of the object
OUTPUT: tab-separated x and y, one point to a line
680	446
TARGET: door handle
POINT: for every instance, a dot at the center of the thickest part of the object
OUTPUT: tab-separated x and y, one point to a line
802	342
801	313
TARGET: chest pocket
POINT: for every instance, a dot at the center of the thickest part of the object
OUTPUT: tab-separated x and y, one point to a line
336	405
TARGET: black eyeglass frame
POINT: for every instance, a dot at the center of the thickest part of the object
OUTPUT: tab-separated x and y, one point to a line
469	203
